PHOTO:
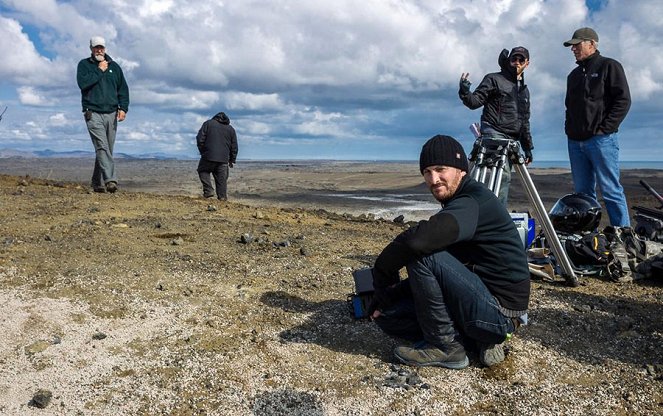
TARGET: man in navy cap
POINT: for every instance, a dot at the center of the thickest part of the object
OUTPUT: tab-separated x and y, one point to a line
504	97
468	281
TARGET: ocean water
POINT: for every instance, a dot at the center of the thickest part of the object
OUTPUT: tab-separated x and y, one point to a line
414	207
418	206
645	164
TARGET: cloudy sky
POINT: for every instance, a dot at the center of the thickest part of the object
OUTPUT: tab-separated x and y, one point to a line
302	79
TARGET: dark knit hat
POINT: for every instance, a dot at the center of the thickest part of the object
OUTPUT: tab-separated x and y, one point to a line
443	150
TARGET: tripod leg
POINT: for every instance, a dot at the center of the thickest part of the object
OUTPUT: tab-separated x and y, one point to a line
482	176
495	180
498	172
475	171
551	235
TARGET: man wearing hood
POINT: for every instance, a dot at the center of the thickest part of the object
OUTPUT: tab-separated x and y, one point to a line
105	99
217	144
504	97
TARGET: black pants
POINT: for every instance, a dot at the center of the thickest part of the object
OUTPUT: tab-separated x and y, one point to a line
220	172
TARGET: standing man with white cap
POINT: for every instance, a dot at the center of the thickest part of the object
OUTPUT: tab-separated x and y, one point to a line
597	101
105	100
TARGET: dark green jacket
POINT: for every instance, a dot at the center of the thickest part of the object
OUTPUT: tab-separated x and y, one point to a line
102	92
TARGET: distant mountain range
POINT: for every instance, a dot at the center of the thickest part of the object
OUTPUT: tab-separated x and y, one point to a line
48	153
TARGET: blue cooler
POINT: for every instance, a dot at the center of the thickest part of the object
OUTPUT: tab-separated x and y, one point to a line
526	227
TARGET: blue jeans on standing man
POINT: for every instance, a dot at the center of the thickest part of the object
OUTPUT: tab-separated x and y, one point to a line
447	300
595	161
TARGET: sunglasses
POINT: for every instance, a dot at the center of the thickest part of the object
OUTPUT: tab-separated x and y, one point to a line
518	58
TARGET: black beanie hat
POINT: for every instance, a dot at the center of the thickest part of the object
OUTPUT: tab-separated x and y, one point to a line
443	150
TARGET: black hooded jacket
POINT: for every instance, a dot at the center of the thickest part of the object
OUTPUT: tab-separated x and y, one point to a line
217	141
505	102
597	98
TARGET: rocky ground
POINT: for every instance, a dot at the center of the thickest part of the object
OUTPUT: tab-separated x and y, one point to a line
149	304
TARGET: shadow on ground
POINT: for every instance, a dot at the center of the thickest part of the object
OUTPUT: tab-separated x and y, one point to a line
626	330
331	325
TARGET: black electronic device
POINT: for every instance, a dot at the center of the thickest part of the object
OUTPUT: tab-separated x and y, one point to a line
360	300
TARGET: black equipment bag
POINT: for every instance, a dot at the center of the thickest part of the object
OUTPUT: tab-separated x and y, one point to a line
590	250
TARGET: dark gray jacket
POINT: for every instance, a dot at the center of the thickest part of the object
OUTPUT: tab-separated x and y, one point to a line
217	141
505	103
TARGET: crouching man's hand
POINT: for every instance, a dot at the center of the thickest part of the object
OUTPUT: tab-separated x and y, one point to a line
382	298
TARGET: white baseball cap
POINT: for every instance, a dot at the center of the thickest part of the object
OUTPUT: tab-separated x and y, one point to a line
97	41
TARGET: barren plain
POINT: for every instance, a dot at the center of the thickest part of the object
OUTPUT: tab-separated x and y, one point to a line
156	301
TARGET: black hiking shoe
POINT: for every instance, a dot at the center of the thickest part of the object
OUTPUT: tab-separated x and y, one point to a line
424	354
99	189
111	187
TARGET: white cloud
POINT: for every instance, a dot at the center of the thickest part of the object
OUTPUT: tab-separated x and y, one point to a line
59	119
21	63
296	71
32	96
246	101
169	97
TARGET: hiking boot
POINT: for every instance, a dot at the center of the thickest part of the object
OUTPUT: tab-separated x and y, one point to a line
99	189
111	187
491	354
620	271
208	195
424	354
636	248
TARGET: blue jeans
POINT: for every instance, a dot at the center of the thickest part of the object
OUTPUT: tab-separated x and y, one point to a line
596	161
102	128
447	299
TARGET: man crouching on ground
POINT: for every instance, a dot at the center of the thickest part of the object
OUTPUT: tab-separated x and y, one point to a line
468	281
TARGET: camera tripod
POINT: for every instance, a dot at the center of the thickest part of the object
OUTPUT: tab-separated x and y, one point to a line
489	158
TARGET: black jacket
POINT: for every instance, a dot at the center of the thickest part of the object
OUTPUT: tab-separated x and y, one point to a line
505	103
217	141
474	227
597	98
